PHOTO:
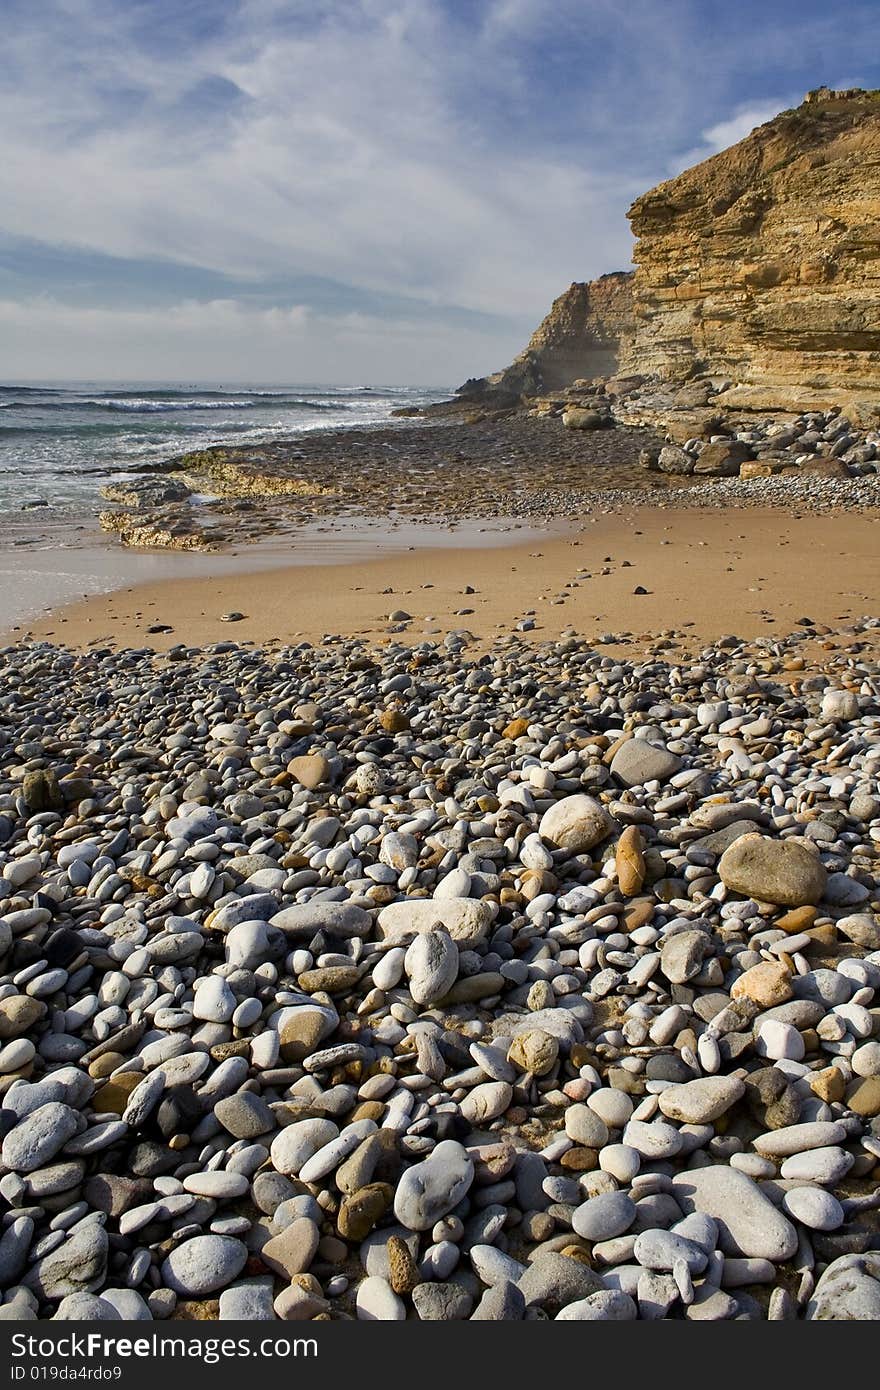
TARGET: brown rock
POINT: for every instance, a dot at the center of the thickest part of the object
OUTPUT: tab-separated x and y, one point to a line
113	1097
773	871
515	729
828	1084
393	721
580	1160
864	1097
334	979
630	861
362	1211
41	791
293	1250
797	920
403	1272
310	770
19	1013
300	1034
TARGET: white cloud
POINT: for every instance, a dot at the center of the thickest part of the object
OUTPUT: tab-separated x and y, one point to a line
353	154
223	340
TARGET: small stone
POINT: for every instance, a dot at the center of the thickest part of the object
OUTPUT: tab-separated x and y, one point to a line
748	1223
442	1302
630	861
292	1251
203	1264
637	762
362	1211
576	823
605	1216
701	1101
431	1188
377	1301
814	1208
535	1051
774	871
767	984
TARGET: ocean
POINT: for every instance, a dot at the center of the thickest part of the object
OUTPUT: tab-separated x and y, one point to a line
59	443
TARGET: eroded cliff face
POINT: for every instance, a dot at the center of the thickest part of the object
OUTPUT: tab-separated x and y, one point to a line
762	264
757	272
580	338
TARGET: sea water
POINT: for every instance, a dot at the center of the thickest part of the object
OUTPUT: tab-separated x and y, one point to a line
60	442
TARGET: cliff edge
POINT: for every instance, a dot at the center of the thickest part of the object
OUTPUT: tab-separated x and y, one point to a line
757	273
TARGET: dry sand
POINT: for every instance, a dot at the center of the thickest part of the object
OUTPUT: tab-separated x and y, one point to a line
706	573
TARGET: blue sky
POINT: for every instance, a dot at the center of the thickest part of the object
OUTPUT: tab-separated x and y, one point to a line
356	190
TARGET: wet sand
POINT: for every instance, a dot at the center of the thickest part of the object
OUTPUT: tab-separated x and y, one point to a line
751	572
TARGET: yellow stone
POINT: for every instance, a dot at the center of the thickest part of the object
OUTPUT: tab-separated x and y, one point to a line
797	920
767	984
113	1098
630	861
393	722
515	729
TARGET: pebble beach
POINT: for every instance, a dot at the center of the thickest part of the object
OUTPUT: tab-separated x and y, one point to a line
441	980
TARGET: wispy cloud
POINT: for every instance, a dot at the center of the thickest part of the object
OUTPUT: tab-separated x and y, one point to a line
374	155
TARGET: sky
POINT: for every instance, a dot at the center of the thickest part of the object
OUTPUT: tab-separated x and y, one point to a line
361	191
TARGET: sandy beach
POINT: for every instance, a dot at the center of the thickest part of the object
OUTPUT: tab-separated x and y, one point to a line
705	574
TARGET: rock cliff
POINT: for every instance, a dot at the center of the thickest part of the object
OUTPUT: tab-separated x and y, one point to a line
757	271
579	338
762	264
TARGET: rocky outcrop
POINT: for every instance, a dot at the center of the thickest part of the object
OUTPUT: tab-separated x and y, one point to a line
761	266
757	281
579	339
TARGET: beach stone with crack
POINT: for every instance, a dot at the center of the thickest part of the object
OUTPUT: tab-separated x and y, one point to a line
701	1101
535	1051
431	965
203	1264
553	1281
442	1302
773	871
576	823
848	1290
336	919
682	955
637	762
431	1188
466	920
748	1222
79	1265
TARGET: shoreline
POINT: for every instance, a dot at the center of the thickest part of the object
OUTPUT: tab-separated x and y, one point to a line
706	573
